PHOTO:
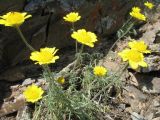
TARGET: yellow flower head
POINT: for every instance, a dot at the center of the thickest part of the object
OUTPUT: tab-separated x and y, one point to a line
136	14
45	56
84	37
72	17
13	19
33	93
139	46
149	5
134	58
100	71
136	10
61	80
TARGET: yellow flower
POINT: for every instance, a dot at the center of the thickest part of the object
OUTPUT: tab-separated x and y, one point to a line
45	56
149	5
61	80
136	14
84	37
139	46
134	58
72	17
33	93
136	10
13	19
100	71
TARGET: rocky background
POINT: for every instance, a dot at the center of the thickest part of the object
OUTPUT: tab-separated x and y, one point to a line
140	94
47	28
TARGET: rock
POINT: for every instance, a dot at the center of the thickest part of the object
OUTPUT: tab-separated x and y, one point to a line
156	103
12	106
12	75
28	82
157	39
136	116
150	30
153	59
11	5
15	101
148	83
19	73
153	62
153	109
47	28
24	113
135	98
110	62
158	118
34	5
133	79
155	48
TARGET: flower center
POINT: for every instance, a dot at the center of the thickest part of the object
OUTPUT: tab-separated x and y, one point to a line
15	18
45	56
134	56
141	47
86	37
34	94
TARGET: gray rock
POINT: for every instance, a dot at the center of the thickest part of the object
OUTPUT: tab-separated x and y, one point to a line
47	28
136	116
148	83
153	62
134	97
153	109
28	81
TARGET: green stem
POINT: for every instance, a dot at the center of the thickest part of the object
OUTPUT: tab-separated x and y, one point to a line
129	28
122	70
55	92
24	39
78	58
76	44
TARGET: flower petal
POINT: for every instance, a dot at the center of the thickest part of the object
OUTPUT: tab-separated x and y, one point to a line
133	65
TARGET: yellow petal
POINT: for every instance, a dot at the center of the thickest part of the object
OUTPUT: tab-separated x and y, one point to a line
28	16
2	22
147	51
133	65
143	64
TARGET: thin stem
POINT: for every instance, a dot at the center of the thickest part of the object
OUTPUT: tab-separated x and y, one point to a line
122	70
80	53
128	29
123	33
76	44
24	39
78	57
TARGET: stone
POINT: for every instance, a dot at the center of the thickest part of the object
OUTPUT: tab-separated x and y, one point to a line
135	98
47	27
14	5
148	83
28	81
153	109
136	116
153	62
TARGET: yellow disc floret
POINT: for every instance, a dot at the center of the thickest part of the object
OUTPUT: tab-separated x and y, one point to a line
33	93
100	71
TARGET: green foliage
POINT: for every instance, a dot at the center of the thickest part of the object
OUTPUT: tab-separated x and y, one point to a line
85	97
